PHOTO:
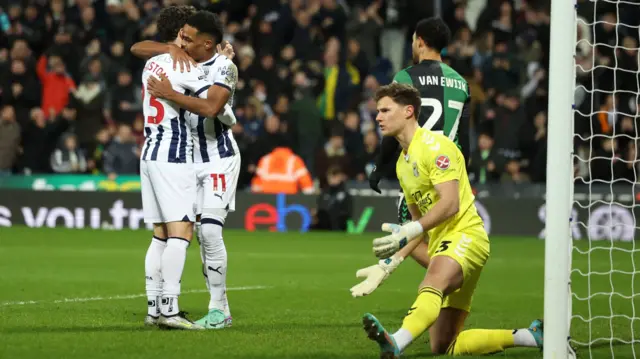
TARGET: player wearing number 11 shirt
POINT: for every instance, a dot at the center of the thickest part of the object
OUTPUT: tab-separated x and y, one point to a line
444	96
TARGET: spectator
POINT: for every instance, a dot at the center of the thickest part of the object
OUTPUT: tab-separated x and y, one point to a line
122	155
9	140
306	120
95	162
56	84
513	173
272	138
334	204
483	168
124	100
354	144
334	153
39	140
341	79
68	158
365	28
282	171
538	154
605	163
21	90
89	101
367	160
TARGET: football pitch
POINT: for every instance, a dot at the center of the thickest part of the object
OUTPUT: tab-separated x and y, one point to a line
79	294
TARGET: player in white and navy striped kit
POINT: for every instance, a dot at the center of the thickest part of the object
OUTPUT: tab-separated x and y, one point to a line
216	154
217	164
167	178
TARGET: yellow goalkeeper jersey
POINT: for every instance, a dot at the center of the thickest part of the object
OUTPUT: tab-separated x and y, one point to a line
431	159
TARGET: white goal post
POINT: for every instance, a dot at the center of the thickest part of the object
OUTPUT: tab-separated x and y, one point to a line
591	296
558	240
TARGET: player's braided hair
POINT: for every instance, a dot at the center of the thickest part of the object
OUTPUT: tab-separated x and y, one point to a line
402	94
171	19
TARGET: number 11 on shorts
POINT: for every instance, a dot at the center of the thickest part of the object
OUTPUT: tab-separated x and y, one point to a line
219	178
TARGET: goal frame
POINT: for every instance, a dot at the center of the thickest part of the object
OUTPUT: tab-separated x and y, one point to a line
559	185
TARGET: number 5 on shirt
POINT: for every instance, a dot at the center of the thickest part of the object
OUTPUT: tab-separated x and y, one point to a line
153	102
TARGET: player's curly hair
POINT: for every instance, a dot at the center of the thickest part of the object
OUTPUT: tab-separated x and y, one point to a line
171	19
402	94
208	23
434	32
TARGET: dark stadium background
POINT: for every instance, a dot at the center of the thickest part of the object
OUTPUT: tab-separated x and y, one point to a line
501	47
73	288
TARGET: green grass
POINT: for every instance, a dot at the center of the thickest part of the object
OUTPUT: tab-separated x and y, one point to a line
305	311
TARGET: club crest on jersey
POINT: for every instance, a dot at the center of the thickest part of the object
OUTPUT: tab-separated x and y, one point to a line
415	170
442	162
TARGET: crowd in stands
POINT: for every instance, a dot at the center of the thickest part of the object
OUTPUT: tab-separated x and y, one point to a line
308	69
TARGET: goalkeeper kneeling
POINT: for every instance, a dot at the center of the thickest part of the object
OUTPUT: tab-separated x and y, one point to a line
434	180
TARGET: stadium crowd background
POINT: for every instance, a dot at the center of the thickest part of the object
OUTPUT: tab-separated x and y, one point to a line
71	100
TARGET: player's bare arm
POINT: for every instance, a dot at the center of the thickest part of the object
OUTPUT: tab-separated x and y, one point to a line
148	49
446	207
421	251
217	95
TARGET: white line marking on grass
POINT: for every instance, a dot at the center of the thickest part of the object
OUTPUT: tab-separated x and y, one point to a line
118	297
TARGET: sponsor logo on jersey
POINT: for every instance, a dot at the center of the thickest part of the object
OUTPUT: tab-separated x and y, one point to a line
442	162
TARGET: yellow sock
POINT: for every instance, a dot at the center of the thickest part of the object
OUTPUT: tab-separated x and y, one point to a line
481	341
423	312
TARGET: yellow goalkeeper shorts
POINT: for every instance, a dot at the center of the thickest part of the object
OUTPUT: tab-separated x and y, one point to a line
471	249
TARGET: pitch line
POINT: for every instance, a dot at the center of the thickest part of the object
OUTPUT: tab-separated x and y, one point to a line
118	297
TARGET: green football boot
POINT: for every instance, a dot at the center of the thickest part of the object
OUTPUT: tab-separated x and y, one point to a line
215	319
537	330
376	332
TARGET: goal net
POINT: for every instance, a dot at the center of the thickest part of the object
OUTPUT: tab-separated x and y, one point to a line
604	307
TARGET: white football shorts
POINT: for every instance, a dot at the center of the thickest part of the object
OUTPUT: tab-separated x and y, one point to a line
168	191
216	183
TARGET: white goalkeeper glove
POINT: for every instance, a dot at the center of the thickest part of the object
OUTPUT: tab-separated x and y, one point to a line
374	276
385	247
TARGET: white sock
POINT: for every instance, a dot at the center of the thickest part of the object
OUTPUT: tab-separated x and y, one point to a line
227	309
173	260
403	338
215	261
524	338
153	275
198	234
169	306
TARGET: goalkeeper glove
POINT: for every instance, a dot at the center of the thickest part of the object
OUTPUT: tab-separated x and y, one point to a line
385	247
374	276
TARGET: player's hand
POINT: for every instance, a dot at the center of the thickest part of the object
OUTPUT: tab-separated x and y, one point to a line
160	88
385	247
180	57
227	50
374	180
374	276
